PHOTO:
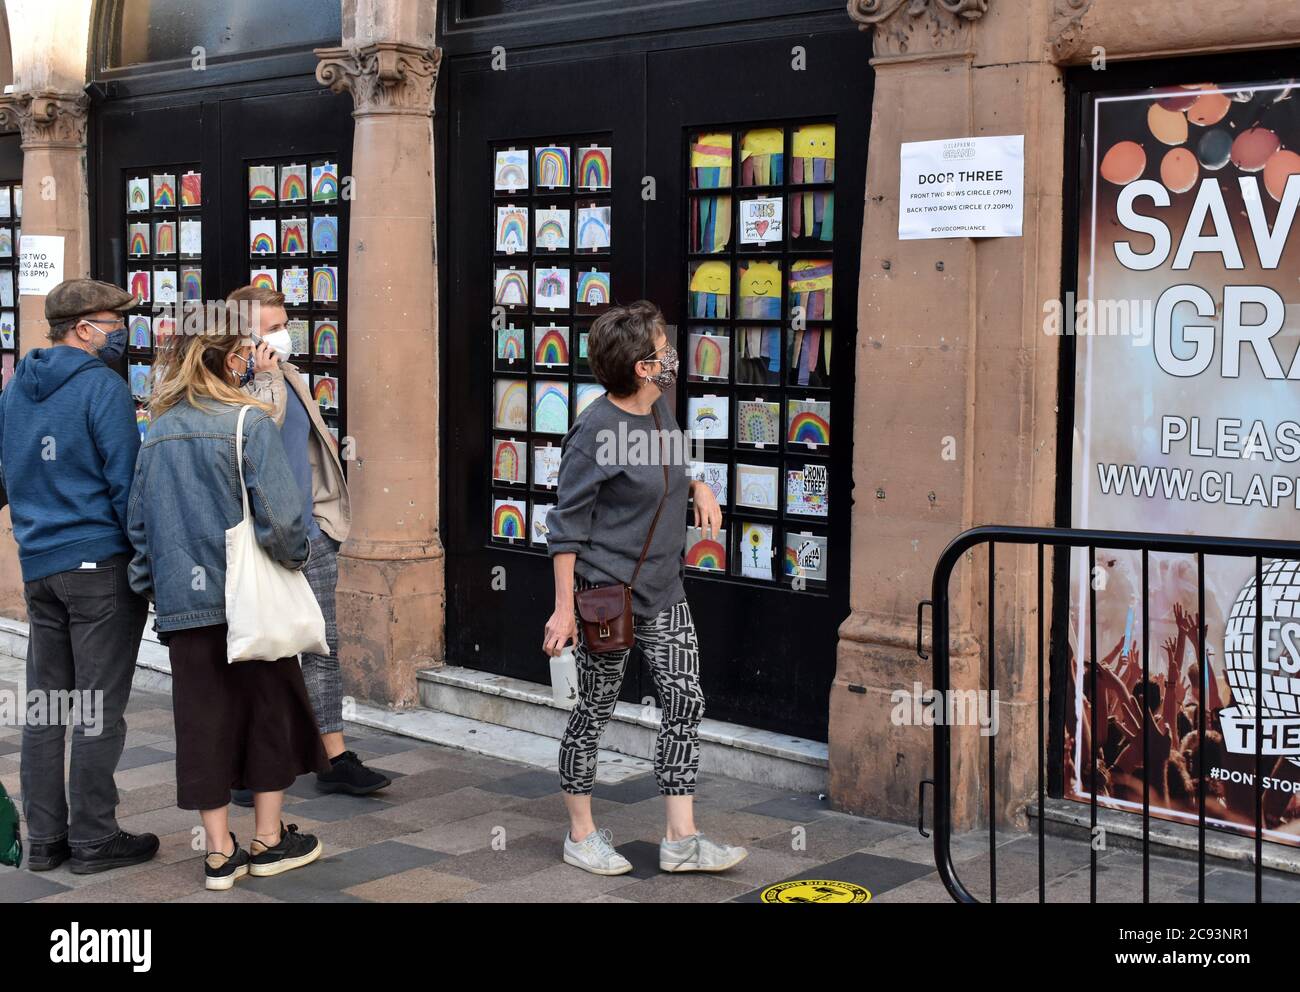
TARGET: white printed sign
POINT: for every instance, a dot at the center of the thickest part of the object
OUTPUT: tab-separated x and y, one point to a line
40	263
962	188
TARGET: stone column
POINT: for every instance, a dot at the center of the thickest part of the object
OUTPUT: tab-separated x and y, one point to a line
390	595
53	129
953	402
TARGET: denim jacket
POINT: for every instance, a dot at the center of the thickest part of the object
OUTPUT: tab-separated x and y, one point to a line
184	498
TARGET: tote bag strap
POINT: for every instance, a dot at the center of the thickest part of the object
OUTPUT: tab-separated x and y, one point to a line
239	457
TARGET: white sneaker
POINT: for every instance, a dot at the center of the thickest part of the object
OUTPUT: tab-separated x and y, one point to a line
698	853
595	853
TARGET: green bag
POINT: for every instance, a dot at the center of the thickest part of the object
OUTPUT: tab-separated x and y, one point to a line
11	843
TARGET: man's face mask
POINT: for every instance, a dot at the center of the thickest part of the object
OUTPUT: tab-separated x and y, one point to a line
667	374
114	342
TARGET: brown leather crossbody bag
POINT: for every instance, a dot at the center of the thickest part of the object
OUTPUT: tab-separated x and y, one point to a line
605	611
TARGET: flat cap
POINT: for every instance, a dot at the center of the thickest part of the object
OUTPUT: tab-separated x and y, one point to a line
78	297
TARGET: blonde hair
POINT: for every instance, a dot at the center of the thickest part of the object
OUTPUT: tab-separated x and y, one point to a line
257	294
192	367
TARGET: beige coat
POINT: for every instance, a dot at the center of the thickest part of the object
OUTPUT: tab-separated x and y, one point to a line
329	492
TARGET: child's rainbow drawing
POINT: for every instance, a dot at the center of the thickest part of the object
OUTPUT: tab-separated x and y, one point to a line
704	553
138	242
191	283
710	356
757	422
551	407
293	236
293	284
551	288
164	286
593	228
510	344
324	182
810	423
551	169
293	183
325	340
508	519
263	278
552	231
261	237
140	337
511	288
192	189
164	192
588	393
552	347
138	283
326	390
137	195
511	405
811	287
711	161
324	234
325	284
261	183
508	462
594	168
512	229
164	237
593	288
511	172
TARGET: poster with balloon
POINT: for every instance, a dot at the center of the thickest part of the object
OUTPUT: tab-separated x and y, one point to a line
1187	421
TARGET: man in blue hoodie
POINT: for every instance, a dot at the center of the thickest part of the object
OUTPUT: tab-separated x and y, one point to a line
68	443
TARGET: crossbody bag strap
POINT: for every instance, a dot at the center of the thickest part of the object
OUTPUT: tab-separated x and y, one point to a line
645	548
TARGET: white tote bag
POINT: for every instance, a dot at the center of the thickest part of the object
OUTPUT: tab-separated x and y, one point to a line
271	612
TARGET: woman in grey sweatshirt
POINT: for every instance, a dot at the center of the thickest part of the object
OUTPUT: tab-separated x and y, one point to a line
611	484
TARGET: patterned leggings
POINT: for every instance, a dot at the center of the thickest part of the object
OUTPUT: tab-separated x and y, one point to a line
668	641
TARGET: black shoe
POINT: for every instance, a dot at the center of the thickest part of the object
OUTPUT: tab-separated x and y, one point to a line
116	852
221	870
293	851
47	857
348	774
241	797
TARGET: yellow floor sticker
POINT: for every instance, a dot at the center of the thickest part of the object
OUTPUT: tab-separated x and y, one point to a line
815	890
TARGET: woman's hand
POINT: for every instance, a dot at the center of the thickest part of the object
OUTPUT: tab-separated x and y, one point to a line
708	515
560	630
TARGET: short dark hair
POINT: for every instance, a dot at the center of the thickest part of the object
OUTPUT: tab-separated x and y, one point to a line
59	328
619	338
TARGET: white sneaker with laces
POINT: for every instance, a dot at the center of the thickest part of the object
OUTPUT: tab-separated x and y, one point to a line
595	853
698	853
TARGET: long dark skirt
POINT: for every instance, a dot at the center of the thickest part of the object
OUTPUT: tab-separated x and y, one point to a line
243	726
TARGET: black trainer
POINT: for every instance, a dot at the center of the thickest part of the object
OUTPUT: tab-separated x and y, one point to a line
47	857
242	797
293	851
221	870
118	851
348	774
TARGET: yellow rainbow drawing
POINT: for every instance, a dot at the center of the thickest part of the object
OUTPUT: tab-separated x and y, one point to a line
506	467
165	239
512	405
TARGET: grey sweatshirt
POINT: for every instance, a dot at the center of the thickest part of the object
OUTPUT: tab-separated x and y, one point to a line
611	481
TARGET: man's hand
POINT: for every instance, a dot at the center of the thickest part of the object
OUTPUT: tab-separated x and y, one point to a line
265	358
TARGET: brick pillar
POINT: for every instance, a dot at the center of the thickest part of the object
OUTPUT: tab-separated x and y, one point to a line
390	596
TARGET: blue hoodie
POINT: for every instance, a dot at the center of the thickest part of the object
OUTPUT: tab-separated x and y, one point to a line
68	444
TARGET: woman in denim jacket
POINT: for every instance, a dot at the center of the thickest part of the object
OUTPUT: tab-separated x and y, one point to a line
247	725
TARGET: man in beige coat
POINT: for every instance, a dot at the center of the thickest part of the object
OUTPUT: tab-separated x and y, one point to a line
313	456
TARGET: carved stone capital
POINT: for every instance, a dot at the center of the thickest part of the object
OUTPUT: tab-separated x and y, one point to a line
1066	29
46	119
918	27
384	78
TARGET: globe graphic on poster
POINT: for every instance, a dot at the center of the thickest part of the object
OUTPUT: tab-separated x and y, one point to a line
1280	592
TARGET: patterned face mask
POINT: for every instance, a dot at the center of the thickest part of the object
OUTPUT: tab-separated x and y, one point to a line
667	374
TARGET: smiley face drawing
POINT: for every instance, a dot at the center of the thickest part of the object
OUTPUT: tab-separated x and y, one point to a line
711	289
760	290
